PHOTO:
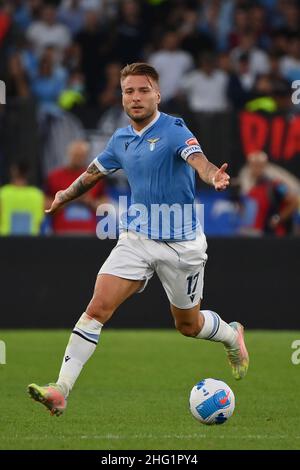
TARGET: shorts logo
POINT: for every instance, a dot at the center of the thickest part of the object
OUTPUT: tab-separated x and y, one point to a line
152	143
192	141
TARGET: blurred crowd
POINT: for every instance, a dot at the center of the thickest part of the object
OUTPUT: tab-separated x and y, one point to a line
212	56
217	54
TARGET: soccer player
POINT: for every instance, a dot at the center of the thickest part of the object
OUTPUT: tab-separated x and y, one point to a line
160	156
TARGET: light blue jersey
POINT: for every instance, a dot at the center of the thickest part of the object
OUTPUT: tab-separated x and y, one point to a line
162	183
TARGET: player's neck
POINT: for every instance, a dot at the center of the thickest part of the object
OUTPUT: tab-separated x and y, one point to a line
139	126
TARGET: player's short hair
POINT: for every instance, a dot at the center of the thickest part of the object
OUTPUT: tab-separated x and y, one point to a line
139	68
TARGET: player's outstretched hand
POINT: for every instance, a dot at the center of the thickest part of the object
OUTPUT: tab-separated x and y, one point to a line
221	178
56	204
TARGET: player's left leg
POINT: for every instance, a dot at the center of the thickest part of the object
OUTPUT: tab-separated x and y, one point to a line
110	291
208	325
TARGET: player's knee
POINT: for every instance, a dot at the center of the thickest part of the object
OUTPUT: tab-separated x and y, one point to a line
100	309
187	329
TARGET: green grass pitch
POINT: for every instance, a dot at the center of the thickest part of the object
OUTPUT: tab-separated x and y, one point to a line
133	393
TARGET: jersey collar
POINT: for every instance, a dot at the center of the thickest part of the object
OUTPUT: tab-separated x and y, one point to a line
142	131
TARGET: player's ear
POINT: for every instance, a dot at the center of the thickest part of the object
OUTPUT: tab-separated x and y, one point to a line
158	97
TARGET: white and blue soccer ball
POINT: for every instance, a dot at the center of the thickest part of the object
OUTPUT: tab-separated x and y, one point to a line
212	401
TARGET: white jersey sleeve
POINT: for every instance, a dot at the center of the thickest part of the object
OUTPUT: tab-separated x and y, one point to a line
107	161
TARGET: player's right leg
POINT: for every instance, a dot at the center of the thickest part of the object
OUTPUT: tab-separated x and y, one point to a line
110	292
182	278
206	324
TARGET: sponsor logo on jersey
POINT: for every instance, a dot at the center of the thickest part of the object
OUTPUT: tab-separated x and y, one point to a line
192	141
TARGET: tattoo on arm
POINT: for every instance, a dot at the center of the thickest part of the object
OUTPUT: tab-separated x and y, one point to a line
75	190
81	185
93	170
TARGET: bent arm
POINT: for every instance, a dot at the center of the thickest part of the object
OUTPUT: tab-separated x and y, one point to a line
208	172
81	185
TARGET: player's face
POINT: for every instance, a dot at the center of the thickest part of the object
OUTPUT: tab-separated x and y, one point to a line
140	98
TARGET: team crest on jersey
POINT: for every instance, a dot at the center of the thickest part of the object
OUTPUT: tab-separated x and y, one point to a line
192	141
152	143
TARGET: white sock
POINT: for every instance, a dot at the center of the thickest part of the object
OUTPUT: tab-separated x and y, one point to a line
82	344
215	329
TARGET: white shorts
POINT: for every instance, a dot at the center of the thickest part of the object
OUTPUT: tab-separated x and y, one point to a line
179	265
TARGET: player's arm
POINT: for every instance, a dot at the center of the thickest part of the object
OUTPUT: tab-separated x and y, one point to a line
208	172
81	185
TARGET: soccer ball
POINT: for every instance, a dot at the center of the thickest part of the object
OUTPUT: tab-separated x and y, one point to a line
212	401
